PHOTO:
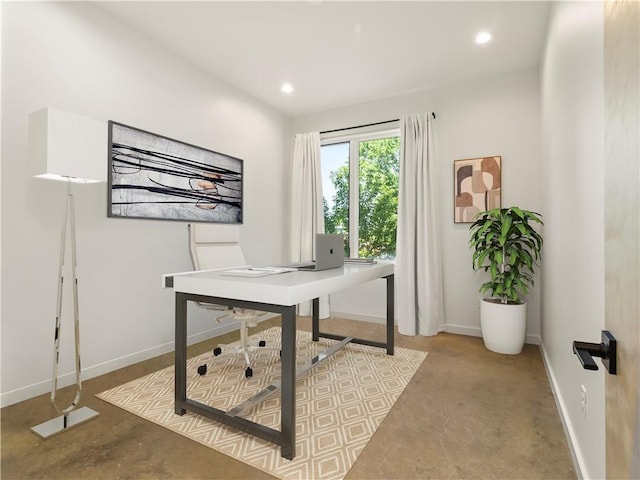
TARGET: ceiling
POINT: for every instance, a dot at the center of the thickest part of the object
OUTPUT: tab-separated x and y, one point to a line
336	53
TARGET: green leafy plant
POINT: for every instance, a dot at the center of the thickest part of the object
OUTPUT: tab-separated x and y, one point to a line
506	245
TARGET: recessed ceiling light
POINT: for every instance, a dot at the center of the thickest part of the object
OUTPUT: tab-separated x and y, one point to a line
483	37
287	88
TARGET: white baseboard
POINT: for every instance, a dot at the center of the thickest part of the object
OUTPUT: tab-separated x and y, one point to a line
362	318
532	339
476	332
64	380
578	460
463	330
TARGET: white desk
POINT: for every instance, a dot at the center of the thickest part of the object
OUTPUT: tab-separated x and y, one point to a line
278	294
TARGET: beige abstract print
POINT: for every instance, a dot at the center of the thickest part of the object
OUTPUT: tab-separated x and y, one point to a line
477	187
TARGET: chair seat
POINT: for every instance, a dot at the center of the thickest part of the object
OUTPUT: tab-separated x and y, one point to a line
249	317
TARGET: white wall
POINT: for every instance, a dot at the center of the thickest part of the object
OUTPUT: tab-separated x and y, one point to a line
499	116
75	57
573	263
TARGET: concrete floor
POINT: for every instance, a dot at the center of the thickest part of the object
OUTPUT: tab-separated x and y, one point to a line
467	413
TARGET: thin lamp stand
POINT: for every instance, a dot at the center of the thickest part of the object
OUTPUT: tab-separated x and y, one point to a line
70	416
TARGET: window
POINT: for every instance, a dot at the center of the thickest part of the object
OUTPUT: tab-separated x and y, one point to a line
360	191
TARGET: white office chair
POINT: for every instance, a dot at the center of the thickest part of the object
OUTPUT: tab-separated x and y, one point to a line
215	247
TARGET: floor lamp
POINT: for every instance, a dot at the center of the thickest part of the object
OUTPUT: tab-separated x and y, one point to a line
68	147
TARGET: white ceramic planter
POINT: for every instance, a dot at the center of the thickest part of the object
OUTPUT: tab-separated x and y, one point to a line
504	326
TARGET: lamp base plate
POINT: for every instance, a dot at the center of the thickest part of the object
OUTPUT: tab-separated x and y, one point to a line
58	425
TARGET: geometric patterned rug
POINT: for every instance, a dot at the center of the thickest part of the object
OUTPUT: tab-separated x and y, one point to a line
339	404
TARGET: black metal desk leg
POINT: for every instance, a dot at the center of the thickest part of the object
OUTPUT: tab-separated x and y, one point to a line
288	401
181	354
315	319
390	313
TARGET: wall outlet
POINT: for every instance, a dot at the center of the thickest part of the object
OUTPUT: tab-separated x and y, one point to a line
583	400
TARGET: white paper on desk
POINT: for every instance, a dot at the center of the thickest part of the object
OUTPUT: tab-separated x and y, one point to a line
274	270
245	272
257	271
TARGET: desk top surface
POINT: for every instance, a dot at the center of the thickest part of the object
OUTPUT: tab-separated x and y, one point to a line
282	289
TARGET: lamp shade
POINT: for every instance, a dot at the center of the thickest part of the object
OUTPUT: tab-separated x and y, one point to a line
67	146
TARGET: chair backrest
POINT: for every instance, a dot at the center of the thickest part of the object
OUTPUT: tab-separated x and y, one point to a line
215	246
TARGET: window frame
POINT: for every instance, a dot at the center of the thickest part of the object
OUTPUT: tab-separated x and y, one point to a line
354	139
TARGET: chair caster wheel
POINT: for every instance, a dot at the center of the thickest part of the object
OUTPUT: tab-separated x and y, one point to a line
202	369
262	343
248	373
217	351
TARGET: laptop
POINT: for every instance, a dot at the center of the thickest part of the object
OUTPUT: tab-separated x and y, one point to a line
329	250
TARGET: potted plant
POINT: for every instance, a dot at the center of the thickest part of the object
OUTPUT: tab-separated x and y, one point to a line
506	245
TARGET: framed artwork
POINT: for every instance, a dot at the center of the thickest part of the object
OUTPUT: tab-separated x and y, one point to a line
477	187
155	177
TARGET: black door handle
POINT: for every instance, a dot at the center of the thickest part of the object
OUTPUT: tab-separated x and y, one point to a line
607	350
585	352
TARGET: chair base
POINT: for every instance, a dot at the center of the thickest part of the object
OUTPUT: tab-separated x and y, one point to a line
245	350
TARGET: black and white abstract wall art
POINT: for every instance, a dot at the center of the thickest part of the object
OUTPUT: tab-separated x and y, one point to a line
155	177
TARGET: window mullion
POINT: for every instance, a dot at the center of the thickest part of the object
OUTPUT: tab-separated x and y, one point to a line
354	198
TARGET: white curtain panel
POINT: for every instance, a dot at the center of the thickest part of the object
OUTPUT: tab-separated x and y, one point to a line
419	290
307	217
